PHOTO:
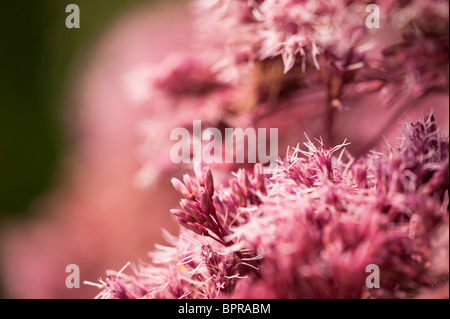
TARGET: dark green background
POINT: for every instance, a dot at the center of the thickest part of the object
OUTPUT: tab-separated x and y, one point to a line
37	56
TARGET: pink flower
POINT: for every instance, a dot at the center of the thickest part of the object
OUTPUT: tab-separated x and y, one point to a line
311	229
299	66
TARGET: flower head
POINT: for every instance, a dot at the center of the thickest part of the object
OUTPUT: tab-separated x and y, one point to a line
311	229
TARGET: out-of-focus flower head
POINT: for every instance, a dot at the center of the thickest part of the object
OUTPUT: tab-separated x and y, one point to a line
272	63
310	230
304	32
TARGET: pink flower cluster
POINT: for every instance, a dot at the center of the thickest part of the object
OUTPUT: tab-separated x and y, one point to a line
309	230
261	63
331	36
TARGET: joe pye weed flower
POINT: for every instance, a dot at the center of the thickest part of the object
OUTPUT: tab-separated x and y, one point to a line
309	230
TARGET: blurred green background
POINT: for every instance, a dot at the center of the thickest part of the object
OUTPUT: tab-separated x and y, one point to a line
38	54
